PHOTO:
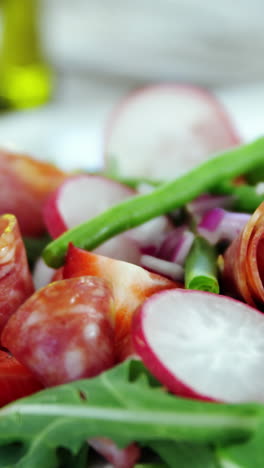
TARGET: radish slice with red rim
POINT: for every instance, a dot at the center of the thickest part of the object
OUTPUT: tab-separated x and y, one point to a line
42	274
79	198
84	196
163	131
202	345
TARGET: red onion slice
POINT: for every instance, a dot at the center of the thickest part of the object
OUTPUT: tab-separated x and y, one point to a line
220	225
206	202
176	245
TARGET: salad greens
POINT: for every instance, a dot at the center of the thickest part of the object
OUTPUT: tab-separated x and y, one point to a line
150	465
165	198
186	455
124	407
68	460
247	455
245	196
51	428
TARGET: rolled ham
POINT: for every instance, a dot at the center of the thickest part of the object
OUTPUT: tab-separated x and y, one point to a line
243	273
25	185
16	283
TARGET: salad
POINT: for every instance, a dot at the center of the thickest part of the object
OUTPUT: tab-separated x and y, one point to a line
131	299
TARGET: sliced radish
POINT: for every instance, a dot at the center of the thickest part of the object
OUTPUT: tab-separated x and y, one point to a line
164	130
202	345
82	197
43	275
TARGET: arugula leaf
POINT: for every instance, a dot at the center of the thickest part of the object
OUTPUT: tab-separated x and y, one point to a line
185	455
250	454
11	454
68	460
137	371
111	406
150	465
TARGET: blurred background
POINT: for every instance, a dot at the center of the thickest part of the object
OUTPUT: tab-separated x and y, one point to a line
65	64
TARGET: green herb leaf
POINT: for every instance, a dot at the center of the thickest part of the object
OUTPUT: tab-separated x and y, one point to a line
68	460
151	465
10	454
185	455
112	406
245	196
247	455
256	175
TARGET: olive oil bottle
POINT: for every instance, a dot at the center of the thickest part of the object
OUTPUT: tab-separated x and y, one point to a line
25	78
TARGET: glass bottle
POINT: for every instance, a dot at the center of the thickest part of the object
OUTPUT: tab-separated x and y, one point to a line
25	78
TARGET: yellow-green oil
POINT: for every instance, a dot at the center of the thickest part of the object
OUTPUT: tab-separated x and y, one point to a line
25	78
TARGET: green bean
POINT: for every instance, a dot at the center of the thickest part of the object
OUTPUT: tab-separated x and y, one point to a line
201	267
256	175
245	196
165	198
133	182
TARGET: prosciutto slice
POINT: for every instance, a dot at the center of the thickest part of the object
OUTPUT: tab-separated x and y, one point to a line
243	273
15	278
25	185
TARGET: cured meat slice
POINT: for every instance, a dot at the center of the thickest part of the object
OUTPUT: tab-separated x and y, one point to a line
15	278
24	187
63	332
16	381
131	285
243	274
